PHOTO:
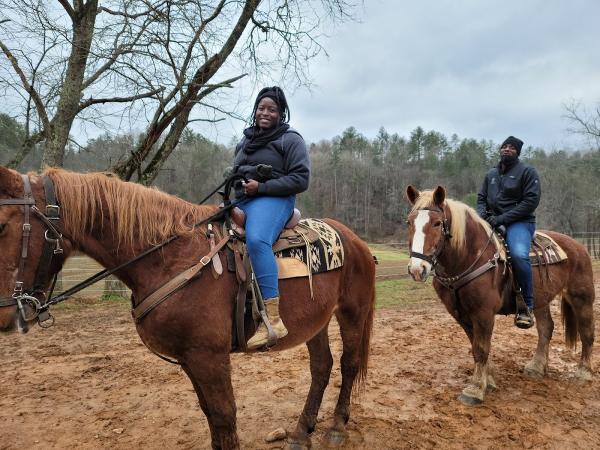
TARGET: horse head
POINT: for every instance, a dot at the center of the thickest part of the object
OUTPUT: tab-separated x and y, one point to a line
427	230
25	234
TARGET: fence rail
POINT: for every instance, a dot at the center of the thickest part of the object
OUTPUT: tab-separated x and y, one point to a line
79	267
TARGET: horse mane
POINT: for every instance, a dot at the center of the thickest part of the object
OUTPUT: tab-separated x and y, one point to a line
137	215
459	212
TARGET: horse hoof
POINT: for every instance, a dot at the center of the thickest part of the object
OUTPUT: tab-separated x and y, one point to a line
533	370
491	386
336	438
583	375
298	441
297	445
469	401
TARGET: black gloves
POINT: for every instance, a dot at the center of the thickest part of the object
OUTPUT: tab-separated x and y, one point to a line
494	221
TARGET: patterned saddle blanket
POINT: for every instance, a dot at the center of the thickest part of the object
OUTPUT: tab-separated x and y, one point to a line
544	250
311	247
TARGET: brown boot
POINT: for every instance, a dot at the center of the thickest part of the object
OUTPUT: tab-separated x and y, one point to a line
261	337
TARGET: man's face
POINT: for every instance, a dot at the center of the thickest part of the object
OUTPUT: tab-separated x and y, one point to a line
508	150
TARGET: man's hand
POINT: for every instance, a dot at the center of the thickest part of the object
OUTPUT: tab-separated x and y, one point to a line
494	221
250	188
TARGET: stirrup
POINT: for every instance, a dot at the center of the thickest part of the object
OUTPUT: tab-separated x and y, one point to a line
524	319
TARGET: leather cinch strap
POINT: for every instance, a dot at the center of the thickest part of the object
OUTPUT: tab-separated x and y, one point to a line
167	289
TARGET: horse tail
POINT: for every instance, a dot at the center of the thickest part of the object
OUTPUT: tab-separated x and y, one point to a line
569	322
365	343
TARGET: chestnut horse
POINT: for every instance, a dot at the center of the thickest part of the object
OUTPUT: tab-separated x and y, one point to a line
448	238
113	221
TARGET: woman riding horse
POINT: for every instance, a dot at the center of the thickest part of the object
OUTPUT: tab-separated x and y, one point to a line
268	201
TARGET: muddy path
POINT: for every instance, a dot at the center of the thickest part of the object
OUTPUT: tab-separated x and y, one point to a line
89	382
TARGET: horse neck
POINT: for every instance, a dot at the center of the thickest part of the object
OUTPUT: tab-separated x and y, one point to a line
101	244
456	261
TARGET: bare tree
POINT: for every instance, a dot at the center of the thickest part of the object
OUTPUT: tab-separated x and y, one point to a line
583	121
152	61
278	35
48	47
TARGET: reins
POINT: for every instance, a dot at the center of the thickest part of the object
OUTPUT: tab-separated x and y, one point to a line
454	283
221	214
53	239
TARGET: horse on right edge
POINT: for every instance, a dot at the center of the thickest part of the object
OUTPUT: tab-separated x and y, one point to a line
448	238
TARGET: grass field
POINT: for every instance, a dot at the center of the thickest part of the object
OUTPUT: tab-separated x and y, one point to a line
394	288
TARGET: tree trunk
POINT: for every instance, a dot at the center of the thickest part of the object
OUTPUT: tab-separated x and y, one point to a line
68	104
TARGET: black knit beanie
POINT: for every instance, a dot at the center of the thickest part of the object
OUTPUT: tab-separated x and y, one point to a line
276	94
515	142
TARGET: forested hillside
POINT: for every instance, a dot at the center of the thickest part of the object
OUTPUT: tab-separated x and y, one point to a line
359	181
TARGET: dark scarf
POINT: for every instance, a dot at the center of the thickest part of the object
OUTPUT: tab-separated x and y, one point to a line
507	162
257	138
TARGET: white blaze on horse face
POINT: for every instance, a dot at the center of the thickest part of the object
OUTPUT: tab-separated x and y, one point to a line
418	245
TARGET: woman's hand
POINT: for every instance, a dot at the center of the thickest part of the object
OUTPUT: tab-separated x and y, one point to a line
251	187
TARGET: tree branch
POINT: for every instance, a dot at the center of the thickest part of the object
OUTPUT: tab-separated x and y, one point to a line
68	8
39	104
94	101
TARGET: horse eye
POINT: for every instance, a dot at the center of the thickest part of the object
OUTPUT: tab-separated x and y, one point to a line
437	223
2	227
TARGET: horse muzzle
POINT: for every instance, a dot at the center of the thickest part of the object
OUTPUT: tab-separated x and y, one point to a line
418	269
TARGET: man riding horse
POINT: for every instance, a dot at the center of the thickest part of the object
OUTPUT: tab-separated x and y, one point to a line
509	196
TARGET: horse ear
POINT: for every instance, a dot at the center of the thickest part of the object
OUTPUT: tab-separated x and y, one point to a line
412	194
439	195
7	180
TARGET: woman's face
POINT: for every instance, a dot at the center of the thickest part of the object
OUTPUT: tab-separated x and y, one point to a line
267	113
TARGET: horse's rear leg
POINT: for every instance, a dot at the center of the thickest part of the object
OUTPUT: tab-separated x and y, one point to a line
351	328
321	362
583	309
538	365
210	374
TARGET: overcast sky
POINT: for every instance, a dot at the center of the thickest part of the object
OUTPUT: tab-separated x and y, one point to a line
478	68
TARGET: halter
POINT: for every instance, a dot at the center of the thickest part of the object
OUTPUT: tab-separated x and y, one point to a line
35	297
433	258
454	283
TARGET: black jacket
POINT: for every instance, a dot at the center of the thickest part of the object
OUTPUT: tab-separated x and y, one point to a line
512	196
288	157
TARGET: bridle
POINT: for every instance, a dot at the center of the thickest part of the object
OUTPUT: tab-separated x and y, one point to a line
39	299
439	248
35	296
454	283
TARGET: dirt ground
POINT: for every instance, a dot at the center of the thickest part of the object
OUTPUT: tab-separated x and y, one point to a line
89	383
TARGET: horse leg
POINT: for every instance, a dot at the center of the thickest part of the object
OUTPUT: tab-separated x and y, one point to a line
210	374
214	432
491	382
321	362
538	365
584	315
474	392
351	329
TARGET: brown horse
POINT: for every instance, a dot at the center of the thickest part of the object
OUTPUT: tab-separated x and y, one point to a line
112	221
448	237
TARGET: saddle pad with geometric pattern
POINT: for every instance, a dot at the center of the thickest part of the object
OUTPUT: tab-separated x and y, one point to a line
552	253
324	254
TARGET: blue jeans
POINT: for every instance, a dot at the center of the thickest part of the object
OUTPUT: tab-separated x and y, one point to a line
518	238
265	219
